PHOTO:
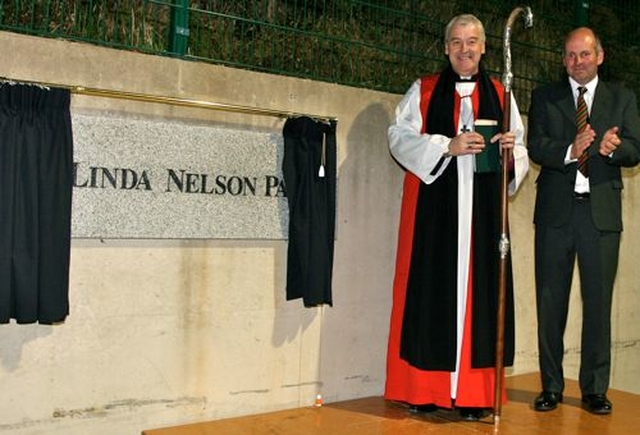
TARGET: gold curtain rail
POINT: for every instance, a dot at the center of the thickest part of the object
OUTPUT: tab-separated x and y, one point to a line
176	101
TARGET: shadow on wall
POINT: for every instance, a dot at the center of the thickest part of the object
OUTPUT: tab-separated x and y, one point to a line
368	195
14	337
354	337
369	190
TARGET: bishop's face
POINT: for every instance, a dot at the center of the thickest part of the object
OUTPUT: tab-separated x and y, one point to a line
465	48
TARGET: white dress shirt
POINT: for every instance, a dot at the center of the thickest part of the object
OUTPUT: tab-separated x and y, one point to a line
582	182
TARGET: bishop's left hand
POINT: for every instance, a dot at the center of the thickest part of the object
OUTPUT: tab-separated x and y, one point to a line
507	140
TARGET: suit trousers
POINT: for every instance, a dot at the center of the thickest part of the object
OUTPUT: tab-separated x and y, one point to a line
597	253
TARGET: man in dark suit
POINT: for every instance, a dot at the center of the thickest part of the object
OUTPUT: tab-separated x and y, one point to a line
578	212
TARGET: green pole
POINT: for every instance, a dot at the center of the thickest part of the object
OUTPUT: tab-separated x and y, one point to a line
179	38
582	13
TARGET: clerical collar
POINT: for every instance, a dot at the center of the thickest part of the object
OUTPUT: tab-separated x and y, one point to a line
466	79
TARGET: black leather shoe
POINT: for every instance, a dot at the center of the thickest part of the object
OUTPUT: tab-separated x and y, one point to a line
415	409
547	401
597	403
471	414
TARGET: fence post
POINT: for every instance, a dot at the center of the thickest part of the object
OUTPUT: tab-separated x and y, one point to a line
179	37
582	12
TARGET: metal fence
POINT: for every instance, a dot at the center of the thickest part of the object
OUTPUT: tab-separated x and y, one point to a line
382	45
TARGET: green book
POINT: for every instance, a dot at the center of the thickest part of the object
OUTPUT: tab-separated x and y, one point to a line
489	159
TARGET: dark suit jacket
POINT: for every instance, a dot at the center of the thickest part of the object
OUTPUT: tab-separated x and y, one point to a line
552	129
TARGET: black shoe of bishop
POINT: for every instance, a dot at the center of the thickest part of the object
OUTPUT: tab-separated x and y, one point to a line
471	414
547	401
417	409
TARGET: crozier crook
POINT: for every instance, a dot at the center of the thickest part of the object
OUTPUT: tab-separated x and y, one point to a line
504	213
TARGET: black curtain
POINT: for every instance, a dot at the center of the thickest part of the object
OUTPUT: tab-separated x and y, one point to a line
36	177
310	145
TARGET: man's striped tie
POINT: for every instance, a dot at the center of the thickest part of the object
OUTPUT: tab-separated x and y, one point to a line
581	123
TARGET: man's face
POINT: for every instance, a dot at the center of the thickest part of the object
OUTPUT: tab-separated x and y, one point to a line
465	48
580	57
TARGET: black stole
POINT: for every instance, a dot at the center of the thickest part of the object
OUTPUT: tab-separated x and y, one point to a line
429	321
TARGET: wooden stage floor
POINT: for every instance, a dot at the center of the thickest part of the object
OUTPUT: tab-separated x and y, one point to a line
374	415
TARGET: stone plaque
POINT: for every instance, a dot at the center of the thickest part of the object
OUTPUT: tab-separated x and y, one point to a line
157	178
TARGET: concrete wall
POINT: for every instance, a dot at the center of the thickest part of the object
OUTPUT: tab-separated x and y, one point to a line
166	332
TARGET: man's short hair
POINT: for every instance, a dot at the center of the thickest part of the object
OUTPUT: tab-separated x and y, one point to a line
464	20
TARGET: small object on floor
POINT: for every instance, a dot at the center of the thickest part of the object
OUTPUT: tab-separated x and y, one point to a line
547	401
416	409
597	404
